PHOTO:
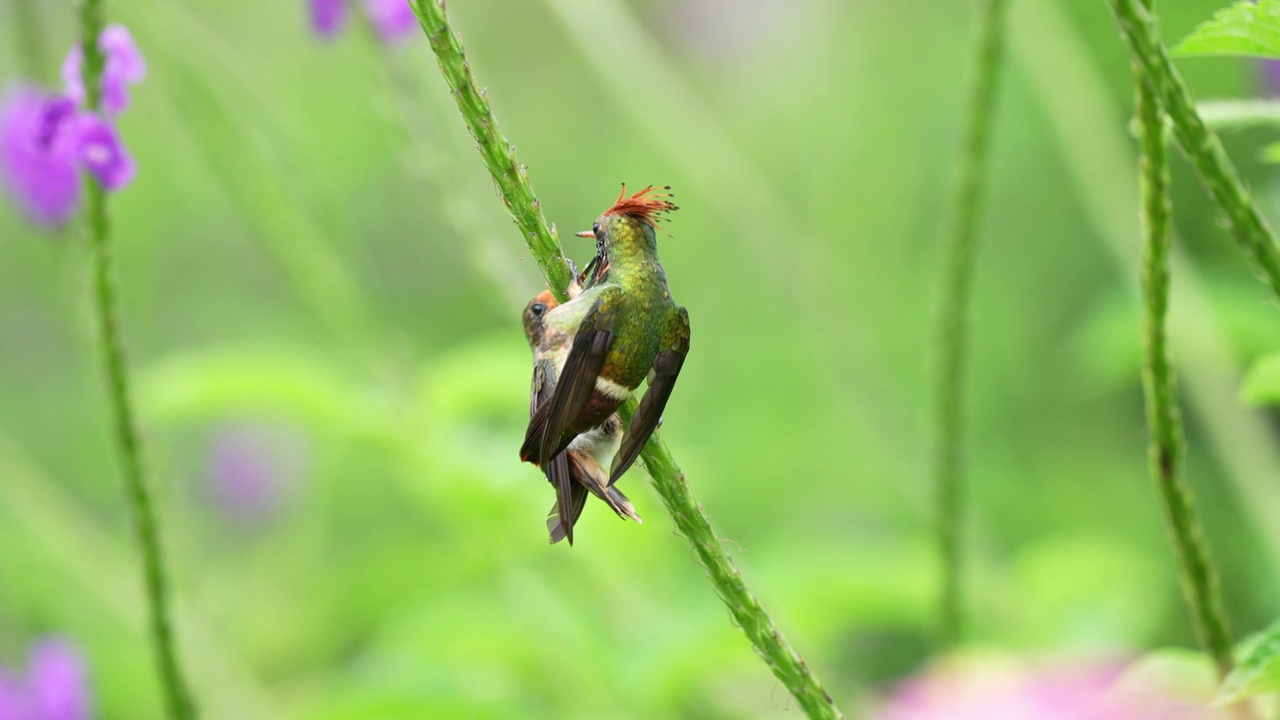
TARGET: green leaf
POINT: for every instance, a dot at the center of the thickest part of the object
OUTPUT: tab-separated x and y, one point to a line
1258	670
1270	153
294	383
1240	114
1245	28
1262	383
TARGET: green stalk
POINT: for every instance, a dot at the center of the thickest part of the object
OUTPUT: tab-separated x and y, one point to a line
690	518
1166	444
1216	171
959	237
146	526
499	155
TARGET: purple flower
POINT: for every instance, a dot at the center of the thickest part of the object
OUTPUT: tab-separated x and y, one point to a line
393	20
57	683
101	153
1269	72
124	67
328	17
55	686
254	469
1024	690
37	158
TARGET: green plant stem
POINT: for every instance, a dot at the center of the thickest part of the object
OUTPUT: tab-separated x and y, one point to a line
1166	444
146	525
670	482
959	235
692	522
499	155
1201	144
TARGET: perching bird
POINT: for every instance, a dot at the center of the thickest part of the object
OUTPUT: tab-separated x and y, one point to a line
580	468
624	327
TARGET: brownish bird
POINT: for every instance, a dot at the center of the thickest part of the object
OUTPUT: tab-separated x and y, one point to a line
581	468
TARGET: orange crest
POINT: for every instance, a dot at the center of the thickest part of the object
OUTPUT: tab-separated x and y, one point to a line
644	205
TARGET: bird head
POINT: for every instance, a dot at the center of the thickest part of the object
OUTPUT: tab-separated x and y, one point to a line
631	221
537	309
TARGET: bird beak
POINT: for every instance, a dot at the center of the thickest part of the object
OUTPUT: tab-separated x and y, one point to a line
586	234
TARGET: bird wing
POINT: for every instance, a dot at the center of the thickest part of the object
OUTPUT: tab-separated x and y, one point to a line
546	436
544	382
571	498
666	368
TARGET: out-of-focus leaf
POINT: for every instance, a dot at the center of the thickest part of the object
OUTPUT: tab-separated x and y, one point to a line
1262	383
1105	346
489	376
1258	670
1240	114
1246	28
1271	153
1085	590
274	382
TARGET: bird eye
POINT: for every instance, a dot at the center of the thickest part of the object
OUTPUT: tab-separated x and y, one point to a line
538	309
595	228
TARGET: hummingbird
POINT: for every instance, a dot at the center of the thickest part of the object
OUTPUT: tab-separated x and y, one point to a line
580	468
624	328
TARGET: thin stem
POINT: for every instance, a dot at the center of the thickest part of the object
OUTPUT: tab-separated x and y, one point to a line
498	154
669	481
692	522
959	236
1166	444
146	526
1216	171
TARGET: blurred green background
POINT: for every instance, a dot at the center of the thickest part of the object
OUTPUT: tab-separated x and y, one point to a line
321	295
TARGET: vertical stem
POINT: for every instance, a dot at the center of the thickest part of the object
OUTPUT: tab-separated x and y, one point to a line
690	518
1166	444
146	526
953	304
1217	174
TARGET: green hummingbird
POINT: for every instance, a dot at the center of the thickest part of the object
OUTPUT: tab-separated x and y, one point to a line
625	328
580	468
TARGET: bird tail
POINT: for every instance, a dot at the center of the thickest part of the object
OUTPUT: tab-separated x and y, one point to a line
561	529
571	497
594	478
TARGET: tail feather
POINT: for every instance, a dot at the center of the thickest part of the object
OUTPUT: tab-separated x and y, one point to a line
622	505
561	528
587	473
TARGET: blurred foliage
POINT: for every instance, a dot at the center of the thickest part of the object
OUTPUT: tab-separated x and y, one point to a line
1245	28
303	262
1259	667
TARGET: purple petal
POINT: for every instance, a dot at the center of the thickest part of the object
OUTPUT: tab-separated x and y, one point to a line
1270	76
72	81
37	166
1017	689
100	152
124	67
393	20
57	682
328	17
14	703
124	59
